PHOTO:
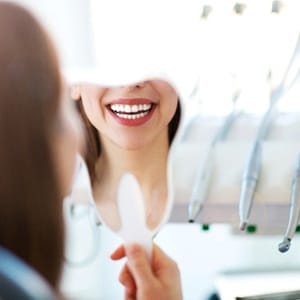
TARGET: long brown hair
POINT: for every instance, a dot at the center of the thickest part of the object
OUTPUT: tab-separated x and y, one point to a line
93	149
31	215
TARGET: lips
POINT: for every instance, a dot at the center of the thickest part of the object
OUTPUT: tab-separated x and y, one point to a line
131	112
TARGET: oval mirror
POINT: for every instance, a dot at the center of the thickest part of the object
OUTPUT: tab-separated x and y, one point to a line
129	128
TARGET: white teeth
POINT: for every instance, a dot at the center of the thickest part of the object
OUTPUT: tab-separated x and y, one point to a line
127	108
132	117
134	108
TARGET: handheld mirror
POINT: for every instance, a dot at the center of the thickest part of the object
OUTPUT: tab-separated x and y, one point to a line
130	132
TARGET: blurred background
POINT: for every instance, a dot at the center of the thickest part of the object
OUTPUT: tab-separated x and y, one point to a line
214	49
229	44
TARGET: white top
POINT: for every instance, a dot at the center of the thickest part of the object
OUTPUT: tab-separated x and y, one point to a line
98	278
89	273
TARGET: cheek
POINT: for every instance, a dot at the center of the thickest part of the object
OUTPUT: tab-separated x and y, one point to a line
170	107
92	97
93	111
169	99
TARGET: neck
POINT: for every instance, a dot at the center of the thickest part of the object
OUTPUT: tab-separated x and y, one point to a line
148	164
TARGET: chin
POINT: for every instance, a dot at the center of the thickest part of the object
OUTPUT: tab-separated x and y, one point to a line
132	145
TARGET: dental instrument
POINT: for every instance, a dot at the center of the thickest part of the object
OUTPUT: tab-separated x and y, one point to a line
200	188
294	214
249	182
252	172
203	177
252	167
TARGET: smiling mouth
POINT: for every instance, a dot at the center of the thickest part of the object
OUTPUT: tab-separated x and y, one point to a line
131	111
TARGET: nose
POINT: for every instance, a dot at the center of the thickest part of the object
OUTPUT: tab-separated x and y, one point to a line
138	85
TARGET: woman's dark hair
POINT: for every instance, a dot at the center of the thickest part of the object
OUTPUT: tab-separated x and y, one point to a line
31	214
93	149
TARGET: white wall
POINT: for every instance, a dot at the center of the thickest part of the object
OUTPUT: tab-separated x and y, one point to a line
68	21
202	255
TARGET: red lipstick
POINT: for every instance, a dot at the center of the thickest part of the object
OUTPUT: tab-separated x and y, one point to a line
131	112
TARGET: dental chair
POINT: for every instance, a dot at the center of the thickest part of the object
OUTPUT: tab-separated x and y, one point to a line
18	281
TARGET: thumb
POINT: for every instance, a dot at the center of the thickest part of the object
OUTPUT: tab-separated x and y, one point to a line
139	264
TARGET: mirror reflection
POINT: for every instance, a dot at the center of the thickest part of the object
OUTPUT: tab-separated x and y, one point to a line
128	129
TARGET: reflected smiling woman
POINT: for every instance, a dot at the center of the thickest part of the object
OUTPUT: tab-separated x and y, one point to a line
129	129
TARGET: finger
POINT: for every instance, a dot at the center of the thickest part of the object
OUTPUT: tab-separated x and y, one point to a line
127	280
118	253
139	265
129	296
159	257
162	263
